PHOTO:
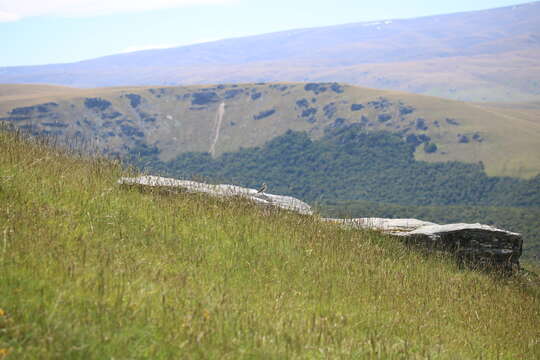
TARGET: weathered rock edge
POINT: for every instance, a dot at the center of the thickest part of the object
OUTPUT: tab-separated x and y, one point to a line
221	190
476	244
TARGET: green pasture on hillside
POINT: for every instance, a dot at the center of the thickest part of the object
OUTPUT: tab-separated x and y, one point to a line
91	270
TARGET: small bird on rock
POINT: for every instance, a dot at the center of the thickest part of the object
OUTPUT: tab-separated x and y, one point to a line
262	189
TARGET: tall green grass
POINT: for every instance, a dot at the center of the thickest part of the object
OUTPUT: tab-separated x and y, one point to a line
91	270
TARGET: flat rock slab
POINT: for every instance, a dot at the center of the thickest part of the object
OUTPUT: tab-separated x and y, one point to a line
474	243
386	225
221	190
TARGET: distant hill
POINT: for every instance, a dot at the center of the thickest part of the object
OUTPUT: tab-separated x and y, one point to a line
317	141
489	55
225	118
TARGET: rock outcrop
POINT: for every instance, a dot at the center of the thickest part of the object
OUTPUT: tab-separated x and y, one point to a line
476	244
221	190
386	225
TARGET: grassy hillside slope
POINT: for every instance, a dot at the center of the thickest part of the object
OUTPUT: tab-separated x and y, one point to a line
176	120
92	270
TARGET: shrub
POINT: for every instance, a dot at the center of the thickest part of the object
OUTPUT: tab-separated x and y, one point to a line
430	148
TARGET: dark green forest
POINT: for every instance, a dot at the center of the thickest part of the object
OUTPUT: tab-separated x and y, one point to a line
350	168
349	164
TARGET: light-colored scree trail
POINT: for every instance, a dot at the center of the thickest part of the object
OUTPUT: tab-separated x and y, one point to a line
217	128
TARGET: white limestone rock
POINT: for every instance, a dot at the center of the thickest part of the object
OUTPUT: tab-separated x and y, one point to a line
386	225
221	190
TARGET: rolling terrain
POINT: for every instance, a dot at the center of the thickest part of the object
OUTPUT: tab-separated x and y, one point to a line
436	118
176	120
490	55
415	156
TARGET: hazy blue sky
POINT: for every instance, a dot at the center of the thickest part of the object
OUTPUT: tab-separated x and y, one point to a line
54	31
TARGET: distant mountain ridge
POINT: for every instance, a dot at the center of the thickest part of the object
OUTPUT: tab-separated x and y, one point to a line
488	55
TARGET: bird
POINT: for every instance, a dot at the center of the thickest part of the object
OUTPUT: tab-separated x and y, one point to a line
262	189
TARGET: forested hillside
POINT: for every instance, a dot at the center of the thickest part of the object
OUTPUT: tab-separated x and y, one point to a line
349	163
224	118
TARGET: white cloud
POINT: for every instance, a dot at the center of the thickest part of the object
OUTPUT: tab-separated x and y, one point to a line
5	17
14	10
148	47
164	46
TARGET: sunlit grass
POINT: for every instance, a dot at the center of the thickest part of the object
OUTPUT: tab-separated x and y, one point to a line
89	269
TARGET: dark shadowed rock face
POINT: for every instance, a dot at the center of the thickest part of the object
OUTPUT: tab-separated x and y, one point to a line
474	244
